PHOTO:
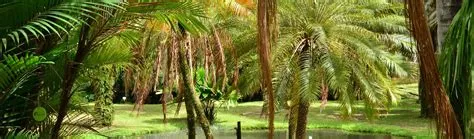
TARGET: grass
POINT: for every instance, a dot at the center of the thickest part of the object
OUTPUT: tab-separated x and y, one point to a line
402	120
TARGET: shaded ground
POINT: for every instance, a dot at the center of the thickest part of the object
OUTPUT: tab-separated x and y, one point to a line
401	120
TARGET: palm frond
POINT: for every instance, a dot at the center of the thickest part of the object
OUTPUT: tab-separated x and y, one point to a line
37	22
456	63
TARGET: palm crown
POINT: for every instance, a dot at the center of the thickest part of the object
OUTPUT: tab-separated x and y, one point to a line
343	45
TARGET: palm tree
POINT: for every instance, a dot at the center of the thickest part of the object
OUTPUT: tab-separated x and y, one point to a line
446	124
45	23
186	72
426	110
336	44
266	15
100	23
455	65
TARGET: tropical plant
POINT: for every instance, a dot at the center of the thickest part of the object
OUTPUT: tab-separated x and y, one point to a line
339	46
39	20
426	109
266	26
183	18
445	118
456	65
102	23
207	94
187	75
17	74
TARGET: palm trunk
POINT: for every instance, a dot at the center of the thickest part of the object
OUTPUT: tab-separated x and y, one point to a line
303	110
180	98
446	124
426	110
264	111
187	76
190	118
207	59
293	118
264	20
167	79
235	80
457	72
70	74
222	65
156	68
324	96
446	10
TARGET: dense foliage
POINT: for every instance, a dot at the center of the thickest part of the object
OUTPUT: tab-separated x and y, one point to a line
208	54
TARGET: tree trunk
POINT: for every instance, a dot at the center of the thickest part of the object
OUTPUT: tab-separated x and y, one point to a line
293	120
70	74
324	96
265	16
235	79
190	116
303	109
167	80
157	68
427	110
222	65
446	10
180	98
264	111
446	124
185	67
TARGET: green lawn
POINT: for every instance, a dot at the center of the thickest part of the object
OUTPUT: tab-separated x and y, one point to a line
402	120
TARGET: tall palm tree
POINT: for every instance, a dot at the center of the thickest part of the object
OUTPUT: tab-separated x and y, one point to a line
186	72
446	124
338	44
426	110
456	65
266	15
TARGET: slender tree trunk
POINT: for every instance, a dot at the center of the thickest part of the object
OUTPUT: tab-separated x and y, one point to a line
188	102
293	120
207	59
264	111
180	98
446	124
222	65
446	10
303	110
167	80
70	74
264	20
157	68
155	79
187	76
427	110
235	80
